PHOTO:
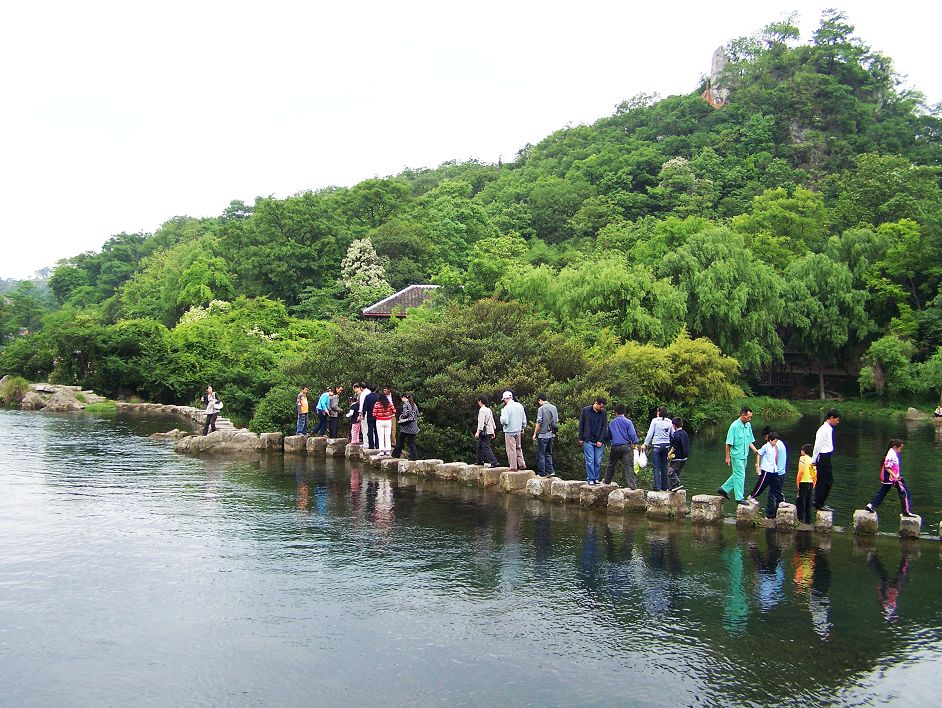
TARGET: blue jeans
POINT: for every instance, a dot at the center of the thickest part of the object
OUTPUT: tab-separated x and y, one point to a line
659	467
544	457
593	460
302	423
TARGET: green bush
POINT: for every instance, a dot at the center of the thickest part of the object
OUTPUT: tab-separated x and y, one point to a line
276	411
101	407
13	390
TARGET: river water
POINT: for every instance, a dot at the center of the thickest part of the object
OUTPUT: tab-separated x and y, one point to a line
131	575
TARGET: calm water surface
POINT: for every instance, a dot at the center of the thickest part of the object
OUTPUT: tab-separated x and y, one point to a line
131	575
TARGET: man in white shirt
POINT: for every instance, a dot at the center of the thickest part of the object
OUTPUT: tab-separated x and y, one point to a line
821	457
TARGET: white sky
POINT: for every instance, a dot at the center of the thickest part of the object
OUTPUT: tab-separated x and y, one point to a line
116	116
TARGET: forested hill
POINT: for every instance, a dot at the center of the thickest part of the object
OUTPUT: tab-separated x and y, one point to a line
801	220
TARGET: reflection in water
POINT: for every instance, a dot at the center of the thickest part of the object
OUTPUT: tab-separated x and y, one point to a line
736	607
770	572
812	581
888	590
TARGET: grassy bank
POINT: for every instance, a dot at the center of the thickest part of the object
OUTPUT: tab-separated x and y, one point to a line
721	413
858	408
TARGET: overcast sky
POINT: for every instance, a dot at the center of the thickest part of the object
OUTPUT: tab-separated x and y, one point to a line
116	116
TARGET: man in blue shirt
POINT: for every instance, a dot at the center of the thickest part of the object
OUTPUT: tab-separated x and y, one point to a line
623	437
323	405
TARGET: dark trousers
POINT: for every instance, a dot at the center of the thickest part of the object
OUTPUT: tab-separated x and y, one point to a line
674	468
321	426
825	479
623	454
544	457
485	451
905	500
210	423
805	502
404	440
776	495
333	423
659	467
371	435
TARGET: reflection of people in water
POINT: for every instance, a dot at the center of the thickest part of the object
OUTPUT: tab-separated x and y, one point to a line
888	590
813	579
770	572
736	607
938	411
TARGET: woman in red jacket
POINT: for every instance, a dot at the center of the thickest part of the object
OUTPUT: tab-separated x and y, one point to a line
384	412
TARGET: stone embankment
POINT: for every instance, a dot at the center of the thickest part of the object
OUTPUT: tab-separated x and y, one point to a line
56	398
615	500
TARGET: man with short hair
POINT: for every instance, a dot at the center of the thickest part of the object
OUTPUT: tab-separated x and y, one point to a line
369	401
513	419
821	457
739	441
677	454
547	421
323	405
623	437
592	426
303	409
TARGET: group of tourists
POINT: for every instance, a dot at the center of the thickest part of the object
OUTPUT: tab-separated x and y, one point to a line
815	475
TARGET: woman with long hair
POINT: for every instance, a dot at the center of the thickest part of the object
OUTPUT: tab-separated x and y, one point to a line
408	427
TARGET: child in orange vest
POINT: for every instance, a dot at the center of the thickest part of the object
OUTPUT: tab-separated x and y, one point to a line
807	477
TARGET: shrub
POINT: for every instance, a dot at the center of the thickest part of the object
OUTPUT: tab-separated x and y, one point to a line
13	389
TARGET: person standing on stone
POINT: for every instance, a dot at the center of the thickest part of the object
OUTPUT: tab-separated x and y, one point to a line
821	456
303	409
623	437
388	394
807	475
513	419
593	424
369	401
739	441
547	422
677	454
384	412
323	405
484	433
659	438
213	405
353	414
891	475
770	465
333	412
408	427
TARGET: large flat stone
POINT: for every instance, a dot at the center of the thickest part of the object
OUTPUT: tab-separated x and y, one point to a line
866	523
272	442
595	494
706	509
295	444
667	505
367	452
786	517
449	470
748	514
540	487
377	459
910	526
471	475
515	480
636	501
353	450
565	490
426	468
616	501
824	521
390	464
406	467
490	477
317	444
336	447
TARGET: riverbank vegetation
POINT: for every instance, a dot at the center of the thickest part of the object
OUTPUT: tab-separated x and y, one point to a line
671	252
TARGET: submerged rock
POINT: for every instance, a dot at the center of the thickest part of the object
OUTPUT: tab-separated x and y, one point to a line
174	434
221	442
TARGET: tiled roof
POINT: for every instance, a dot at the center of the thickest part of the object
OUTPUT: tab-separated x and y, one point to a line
412	296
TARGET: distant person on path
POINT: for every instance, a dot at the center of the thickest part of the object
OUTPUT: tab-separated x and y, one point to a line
484	433
384	412
323	405
408	427
807	475
369	401
303	409
770	466
891	475
213	405
677	454
593	424
623	437
739	441
659	438
333	412
821	456
513	419
547	422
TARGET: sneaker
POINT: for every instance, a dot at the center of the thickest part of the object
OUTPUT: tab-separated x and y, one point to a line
907	515
742	501
870	508
487	464
677	488
722	493
825	507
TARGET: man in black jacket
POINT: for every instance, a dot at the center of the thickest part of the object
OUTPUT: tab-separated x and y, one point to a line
368	403
593	422
677	454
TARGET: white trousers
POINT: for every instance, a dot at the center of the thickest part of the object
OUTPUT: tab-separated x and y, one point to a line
384	432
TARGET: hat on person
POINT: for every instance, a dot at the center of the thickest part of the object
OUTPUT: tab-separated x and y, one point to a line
507	394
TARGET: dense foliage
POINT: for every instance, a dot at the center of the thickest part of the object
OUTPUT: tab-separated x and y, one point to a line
669	252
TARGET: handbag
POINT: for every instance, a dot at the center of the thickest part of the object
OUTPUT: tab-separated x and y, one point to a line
217	406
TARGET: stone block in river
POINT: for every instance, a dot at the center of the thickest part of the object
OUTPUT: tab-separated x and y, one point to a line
377	459
706	509
367	452
515	480
866	523
910	526
32	401
336	447
595	494
565	490
272	441
540	487
390	464
317	444
616	501
353	450
636	501
824	521
426	468
471	475
175	434
490	476
667	505
748	514
449	470
786	517
406	467
295	444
